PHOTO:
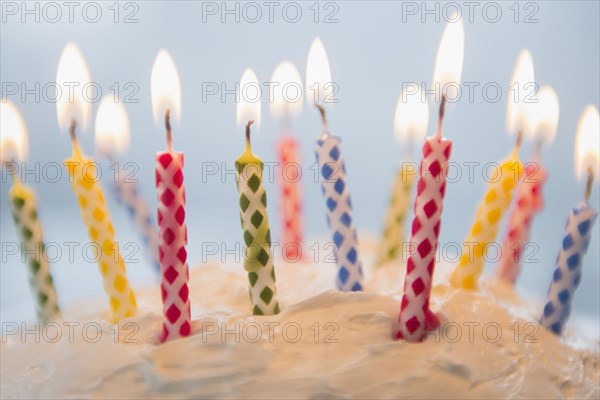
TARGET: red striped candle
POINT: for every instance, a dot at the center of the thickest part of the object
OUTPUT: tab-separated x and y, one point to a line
291	198
415	316
172	233
529	202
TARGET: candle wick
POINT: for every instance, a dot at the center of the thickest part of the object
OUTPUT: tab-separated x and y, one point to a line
72	130
168	128
588	186
519	141
15	179
250	122
323	115
441	117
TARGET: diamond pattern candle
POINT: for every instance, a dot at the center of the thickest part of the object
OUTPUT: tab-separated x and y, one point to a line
165	88
128	196
339	210
393	235
23	203
567	275
87	189
416	318
529	201
576	241
291	198
258	259
172	233
14	146
289	171
487	222
112	137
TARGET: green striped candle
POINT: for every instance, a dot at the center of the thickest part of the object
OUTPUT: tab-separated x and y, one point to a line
23	204
258	258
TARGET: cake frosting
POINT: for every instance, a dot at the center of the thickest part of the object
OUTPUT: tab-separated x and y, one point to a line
323	344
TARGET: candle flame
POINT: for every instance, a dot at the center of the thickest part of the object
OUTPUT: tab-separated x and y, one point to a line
287	94
449	59
13	133
319	87
546	113
412	116
521	99
165	88
75	104
112	126
248	107
586	143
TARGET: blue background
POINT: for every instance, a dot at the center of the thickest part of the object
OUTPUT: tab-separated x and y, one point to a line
371	52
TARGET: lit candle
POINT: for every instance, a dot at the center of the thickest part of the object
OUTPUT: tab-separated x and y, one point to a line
410	123
578	235
165	88
529	199
13	147
333	171
285	104
112	137
84	182
416	317
258	259
502	183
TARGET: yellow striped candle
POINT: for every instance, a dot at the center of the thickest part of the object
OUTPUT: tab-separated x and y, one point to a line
487	221
84	182
502	182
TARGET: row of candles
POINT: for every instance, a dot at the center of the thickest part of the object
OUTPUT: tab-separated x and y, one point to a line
168	243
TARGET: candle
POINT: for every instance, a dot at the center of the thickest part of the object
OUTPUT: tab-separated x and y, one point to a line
258	260
501	184
567	274
83	176
165	88
112	136
416	317
13	146
333	171
410	123
529	199
285	104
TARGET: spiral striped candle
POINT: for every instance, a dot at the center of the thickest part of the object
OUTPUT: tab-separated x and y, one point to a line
23	203
258	260
529	201
172	233
87	189
567	274
416	318
393	235
339	210
128	196
487	221
291	198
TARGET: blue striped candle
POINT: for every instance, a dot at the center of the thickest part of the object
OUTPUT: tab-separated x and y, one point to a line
567	274
128	196
339	210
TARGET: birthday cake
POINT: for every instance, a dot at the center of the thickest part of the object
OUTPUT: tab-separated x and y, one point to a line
324	344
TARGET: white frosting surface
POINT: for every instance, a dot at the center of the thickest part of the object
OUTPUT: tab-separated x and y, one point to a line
353	356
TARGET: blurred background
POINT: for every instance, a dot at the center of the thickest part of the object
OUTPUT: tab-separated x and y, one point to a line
373	47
